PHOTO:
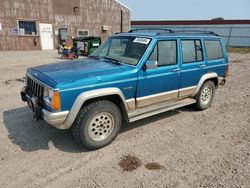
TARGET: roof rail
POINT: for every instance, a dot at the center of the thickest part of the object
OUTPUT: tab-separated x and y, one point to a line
152	29
173	31
196	31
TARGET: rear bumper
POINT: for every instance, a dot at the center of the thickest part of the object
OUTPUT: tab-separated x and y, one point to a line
221	81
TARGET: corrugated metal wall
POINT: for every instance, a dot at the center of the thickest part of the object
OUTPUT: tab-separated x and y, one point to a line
234	35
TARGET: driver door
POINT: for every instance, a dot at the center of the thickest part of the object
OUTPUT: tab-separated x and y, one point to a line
162	82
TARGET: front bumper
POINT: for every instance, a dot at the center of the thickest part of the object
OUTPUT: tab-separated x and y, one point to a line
55	119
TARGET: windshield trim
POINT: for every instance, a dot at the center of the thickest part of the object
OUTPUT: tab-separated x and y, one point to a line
126	36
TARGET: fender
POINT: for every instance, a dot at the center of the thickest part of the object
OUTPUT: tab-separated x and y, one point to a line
203	79
83	97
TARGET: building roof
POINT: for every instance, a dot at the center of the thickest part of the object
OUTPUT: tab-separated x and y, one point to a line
122	4
190	22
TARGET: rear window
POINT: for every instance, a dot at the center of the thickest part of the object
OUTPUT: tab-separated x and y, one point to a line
213	49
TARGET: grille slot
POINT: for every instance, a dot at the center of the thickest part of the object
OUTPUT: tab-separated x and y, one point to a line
35	88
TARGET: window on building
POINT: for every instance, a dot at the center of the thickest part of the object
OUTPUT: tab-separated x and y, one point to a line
165	53
27	27
214	49
82	33
191	51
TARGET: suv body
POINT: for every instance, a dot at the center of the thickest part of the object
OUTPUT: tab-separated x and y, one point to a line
131	76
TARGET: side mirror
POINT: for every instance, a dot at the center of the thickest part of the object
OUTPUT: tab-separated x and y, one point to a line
151	65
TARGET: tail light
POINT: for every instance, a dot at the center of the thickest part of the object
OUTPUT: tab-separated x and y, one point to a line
227	71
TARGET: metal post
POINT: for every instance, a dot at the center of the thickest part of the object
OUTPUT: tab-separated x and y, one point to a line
229	37
121	21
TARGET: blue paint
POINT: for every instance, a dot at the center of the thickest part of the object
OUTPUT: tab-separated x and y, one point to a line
74	77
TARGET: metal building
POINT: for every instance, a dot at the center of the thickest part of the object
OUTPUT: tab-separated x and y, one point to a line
234	32
42	24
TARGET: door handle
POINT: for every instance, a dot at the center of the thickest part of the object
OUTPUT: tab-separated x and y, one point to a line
176	70
202	65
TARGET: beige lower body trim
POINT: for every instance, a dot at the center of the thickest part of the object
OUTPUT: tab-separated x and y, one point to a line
148	100
130	103
157	108
187	91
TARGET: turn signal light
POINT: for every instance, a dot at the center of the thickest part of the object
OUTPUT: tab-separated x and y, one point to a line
56	101
227	71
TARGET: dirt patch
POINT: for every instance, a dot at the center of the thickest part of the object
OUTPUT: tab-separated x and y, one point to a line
8	82
129	163
154	166
20	79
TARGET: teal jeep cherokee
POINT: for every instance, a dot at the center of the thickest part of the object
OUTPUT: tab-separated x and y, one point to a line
131	76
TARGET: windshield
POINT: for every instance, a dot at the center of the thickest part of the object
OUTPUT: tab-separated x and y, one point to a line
124	49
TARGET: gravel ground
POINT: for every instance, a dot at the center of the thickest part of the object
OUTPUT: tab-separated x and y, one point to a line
180	148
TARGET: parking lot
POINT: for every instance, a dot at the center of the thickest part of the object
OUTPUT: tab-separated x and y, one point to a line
207	148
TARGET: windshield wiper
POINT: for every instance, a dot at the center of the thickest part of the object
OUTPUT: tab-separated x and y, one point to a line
114	61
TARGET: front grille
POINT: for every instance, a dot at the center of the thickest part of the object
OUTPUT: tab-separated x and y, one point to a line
35	88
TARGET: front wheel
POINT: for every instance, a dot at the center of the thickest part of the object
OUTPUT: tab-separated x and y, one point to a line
97	124
205	96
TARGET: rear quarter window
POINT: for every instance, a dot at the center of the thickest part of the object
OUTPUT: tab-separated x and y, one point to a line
213	49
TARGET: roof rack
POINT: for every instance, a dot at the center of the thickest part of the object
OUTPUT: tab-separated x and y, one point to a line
197	32
151	29
173	31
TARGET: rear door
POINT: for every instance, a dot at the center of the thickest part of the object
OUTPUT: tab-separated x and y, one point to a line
162	83
216	57
193	65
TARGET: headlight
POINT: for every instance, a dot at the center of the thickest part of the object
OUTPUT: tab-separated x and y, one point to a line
52	98
47	96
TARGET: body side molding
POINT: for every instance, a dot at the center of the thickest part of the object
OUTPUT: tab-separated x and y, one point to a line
155	98
131	103
187	91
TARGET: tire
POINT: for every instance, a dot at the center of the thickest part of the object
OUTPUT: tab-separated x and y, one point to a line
205	96
97	124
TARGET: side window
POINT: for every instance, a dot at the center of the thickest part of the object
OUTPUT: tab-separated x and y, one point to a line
165	52
191	51
213	49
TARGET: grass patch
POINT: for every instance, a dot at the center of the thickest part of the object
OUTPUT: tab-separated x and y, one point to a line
242	50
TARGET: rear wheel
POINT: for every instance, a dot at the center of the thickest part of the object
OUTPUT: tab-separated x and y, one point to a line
205	96
97	124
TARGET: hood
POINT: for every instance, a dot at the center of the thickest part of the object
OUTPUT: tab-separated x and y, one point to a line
71	71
